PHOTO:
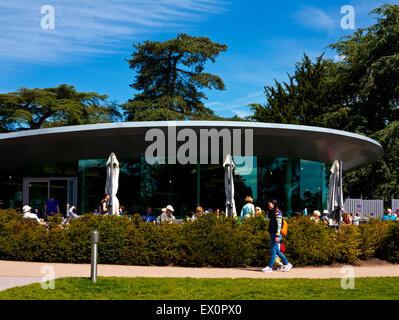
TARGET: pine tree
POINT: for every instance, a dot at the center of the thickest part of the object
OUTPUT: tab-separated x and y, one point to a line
169	79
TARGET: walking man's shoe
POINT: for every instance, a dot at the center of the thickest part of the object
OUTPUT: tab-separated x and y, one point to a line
267	269
287	267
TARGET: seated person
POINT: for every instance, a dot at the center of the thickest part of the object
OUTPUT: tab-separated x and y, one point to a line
198	212
148	217
316	216
26	210
104	204
167	215
122	211
72	212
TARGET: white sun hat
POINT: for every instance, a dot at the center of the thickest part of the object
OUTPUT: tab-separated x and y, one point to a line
316	213
170	208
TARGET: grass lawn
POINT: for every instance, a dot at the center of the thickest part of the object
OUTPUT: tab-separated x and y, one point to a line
207	289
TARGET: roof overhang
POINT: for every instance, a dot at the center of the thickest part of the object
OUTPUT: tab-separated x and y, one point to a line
127	139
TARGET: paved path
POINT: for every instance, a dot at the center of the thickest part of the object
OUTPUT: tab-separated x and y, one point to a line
10	282
13	273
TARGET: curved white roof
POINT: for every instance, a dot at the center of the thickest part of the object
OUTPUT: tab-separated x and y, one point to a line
127	139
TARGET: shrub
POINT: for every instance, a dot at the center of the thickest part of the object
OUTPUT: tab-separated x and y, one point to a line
348	241
208	241
260	245
389	249
372	235
310	243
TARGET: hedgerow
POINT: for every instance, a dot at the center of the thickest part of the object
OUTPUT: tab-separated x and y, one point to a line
208	241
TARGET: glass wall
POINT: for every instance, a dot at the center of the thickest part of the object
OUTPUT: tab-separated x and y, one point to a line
296	184
11	182
140	185
313	185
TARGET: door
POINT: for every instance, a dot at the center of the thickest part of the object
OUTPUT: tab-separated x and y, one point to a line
38	190
59	191
38	194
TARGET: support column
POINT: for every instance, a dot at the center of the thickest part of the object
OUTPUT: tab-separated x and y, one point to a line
82	170
198	181
288	186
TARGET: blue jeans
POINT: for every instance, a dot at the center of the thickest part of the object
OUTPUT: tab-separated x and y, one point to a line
275	250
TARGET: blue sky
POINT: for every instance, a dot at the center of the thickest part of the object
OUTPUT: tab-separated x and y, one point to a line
92	39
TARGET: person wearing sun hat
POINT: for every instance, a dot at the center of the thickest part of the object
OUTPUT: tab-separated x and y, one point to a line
316	216
26	210
167	215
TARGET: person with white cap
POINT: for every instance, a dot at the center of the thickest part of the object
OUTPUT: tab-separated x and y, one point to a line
167	215
325	216
26	210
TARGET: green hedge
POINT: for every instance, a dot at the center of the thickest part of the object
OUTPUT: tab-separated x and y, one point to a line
208	241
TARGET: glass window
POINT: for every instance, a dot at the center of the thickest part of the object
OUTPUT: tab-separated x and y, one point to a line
311	185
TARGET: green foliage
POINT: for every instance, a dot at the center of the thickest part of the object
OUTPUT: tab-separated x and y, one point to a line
53	107
307	99
169	79
360	94
390	244
146	288
208	241
310	243
372	236
349	241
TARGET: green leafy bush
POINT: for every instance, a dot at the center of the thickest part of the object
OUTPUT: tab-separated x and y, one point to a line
208	241
389	249
310	243
372	235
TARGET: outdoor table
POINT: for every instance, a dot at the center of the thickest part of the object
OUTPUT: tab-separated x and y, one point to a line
335	226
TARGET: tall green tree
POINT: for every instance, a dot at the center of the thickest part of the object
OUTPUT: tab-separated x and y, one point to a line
360	94
170	78
307	98
369	72
53	107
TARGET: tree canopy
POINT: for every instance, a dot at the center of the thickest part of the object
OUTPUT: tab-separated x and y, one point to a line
170	78
306	99
358	93
53	107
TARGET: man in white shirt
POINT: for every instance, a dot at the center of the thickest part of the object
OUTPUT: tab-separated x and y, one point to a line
356	218
166	215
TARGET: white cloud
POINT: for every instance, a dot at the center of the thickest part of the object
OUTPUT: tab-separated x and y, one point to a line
238	106
87	27
242	113
339	57
315	18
